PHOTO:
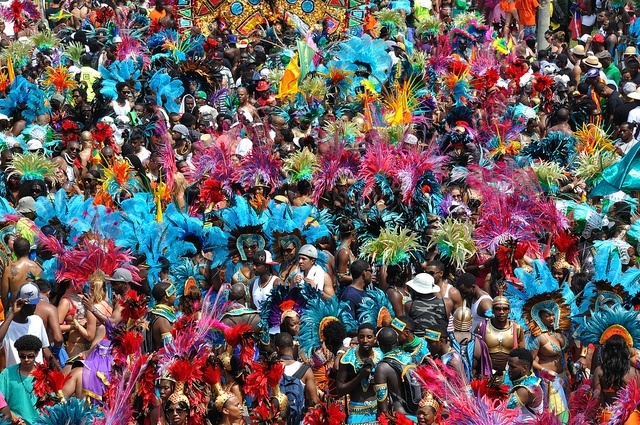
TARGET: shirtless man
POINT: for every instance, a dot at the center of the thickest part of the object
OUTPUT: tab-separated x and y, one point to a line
239	313
18	272
49	315
563	117
355	376
436	269
246	108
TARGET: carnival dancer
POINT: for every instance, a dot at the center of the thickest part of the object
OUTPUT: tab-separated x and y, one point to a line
526	392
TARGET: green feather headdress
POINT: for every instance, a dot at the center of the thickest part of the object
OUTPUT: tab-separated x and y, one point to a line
590	166
454	241
391	247
33	166
391	19
19	52
301	165
429	25
274	78
550	174
462	20
314	87
45	40
74	51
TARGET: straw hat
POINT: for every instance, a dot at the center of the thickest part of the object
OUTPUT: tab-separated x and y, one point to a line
592	62
578	50
630	51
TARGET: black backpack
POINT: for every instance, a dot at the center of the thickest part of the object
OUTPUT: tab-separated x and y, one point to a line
147	333
410	384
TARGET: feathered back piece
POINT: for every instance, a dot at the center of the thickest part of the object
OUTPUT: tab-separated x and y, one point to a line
59	80
336	165
550	174
48	383
321	414
89	260
591	139
72	411
393	246
558	147
607	262
119	178
607	322
316	315
259	168
376	309
167	154
33	166
540	292
410	168
454	241
301	165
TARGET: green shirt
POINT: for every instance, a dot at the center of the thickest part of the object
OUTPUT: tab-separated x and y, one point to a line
18	392
613	73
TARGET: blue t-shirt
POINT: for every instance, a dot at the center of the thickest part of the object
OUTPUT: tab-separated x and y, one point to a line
353	297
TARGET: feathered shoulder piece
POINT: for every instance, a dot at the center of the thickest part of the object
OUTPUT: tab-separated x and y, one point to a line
71	411
393	246
558	147
338	165
315	317
376	309
540	292
259	168
301	165
626	404
48	383
607	322
33	166
454	241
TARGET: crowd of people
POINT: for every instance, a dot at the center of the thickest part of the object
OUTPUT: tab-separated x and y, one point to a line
422	216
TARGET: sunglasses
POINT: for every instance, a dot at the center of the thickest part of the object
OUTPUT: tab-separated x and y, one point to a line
74	149
126	92
176	411
26	356
289	250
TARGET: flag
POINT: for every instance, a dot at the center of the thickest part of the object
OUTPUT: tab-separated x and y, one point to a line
289	82
305	54
623	175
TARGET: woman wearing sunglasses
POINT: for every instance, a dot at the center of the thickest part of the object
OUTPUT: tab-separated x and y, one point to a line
16	382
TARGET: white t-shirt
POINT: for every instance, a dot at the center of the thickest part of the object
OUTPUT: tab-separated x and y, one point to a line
35	327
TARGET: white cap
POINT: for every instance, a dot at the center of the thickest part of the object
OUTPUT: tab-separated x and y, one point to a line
34	145
244	147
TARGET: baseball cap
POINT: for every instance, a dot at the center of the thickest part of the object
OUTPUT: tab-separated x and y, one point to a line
308	251
26	205
423	283
263	257
603	55
58	97
179	128
34	145
218	56
593	72
121	275
598	38
628	88
30	293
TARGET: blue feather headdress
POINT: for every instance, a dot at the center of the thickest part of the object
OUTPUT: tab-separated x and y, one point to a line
540	292
167	90
604	323
315	317
283	302
27	98
558	147
376	309
118	72
73	411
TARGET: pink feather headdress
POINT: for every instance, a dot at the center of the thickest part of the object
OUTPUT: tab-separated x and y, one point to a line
336	164
259	167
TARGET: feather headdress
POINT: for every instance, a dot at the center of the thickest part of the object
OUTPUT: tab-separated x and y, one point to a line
377	168
73	411
301	165
119	178
540	292
626	404
25	97
59	80
117	72
336	165
550	175
590	166
391	247
591	139
259	167
454	241
376	309
411	169
167	90
33	166
18	12
315	317
607	322
48	383
557	147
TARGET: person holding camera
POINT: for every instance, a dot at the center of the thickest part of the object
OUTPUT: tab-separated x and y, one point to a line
355	376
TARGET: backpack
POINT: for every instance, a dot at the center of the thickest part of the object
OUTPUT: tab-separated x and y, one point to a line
147	333
411	385
292	387
557	16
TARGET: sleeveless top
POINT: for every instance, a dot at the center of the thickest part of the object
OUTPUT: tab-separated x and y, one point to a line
446	295
429	314
259	294
476	318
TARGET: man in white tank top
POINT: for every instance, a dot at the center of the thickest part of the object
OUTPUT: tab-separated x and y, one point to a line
265	279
